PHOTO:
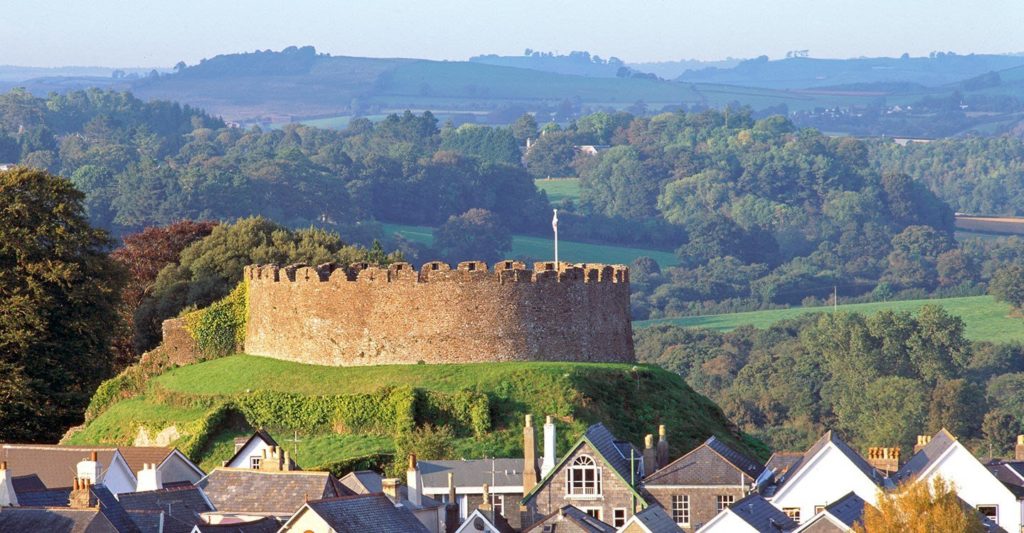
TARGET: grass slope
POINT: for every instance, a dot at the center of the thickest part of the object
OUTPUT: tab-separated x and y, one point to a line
986	319
560	189
541	248
629	399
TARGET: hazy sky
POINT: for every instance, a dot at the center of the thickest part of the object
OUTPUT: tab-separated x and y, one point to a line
160	33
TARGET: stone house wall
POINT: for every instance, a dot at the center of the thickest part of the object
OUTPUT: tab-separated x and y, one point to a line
703	501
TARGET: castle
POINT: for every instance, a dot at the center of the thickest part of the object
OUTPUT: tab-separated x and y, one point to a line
369	315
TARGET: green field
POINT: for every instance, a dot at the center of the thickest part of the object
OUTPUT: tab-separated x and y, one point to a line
543	249
560	189
986	319
630	399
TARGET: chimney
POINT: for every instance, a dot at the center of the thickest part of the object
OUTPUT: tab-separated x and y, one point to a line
922	441
451	509
90	469
485	507
1018	450
81	494
414	481
549	447
886	460
240	442
8	498
662	447
286	463
529	456
650	456
390	488
149	478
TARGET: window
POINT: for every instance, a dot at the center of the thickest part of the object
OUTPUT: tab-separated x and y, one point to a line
498	501
723	501
990	511
818	508
681	509
592	511
254	462
584	477
618	517
792	512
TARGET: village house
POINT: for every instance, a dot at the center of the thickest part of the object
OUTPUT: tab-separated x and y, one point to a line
837	517
243	494
569	519
175	508
752	514
485	518
249	451
503	476
353	514
701	484
826	472
653	519
87	507
599	476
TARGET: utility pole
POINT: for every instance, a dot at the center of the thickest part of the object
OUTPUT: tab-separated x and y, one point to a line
554	226
835	298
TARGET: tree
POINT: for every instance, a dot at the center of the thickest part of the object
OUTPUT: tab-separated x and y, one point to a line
525	127
920	507
58	303
1007	285
551	155
476	235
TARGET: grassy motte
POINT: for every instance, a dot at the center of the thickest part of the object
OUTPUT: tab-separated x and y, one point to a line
985	318
630	399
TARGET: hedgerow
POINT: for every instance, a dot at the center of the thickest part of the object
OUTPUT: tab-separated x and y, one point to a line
387	411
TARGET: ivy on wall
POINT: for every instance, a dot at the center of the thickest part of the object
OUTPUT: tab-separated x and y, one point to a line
219	329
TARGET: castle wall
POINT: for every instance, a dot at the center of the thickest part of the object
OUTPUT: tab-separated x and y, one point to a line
365	315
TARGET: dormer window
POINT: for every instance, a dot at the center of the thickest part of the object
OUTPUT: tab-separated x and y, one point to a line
584	477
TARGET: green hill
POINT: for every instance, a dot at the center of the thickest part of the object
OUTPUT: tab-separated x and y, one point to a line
341	418
986	319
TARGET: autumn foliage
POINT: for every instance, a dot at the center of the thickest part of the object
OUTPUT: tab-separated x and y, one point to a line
921	507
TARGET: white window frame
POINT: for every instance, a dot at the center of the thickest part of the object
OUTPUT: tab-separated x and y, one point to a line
684	508
596	512
793	513
582	487
994	507
619	521
254	462
723	501
498	503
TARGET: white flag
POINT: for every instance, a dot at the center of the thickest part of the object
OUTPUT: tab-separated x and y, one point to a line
554	221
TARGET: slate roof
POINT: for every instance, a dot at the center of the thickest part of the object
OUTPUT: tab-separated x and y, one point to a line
711	463
45	498
182	504
849	509
473	473
53	520
267	524
743	463
580	519
853	456
761	515
135	456
364	482
1009	473
112	509
56	466
656	520
781	462
259	433
150	521
27	483
924	458
365	513
243	490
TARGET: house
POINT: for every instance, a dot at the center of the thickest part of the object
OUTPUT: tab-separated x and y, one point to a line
826	472
752	514
266	524
653	519
484	522
411	496
942	455
249	451
599	476
91	508
353	514
243	494
175	508
504	478
837	517
701	484
170	464
363	482
569	519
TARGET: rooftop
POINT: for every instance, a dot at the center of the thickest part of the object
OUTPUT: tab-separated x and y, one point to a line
243	490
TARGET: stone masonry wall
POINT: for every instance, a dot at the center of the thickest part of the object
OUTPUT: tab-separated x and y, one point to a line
367	315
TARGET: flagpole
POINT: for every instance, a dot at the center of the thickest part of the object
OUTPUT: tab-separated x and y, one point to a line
554	226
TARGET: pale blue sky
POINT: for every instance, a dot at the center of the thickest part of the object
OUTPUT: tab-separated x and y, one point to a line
160	33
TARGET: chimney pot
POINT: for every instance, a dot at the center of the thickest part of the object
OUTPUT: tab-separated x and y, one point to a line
3	465
529	421
1018	450
661	432
93	456
549	419
649	441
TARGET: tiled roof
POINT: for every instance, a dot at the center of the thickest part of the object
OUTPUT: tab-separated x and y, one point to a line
183	504
742	463
781	462
615	453
111	508
365	513
149	521
260	434
27	483
45	498
921	460
656	520
711	463
53	520
849	509
842	447
473	473
254	491
761	515
267	524
582	520
136	456
363	482
56	466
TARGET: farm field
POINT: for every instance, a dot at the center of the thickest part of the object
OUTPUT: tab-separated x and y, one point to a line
1001	225
986	319
542	248
560	189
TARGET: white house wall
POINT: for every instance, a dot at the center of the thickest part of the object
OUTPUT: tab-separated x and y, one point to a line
828	477
119	478
176	468
727	522
976	485
253	447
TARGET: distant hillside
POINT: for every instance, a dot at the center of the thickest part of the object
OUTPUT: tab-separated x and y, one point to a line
345	417
805	72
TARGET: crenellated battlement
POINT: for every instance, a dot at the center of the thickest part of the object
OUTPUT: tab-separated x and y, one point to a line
437	271
363	314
